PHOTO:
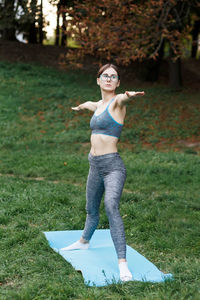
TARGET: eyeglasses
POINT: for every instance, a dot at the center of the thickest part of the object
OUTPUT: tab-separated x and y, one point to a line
104	77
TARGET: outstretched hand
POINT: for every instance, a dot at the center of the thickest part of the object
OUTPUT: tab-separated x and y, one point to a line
134	94
76	108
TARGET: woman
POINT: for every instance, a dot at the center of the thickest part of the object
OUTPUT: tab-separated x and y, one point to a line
107	172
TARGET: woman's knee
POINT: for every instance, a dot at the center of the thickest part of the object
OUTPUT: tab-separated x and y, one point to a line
111	208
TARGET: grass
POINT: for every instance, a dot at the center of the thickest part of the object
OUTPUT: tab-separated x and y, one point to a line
43	167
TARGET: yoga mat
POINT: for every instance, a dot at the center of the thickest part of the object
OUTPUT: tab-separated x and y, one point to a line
99	264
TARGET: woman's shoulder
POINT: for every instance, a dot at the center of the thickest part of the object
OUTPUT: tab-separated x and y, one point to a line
93	104
118	96
116	101
99	102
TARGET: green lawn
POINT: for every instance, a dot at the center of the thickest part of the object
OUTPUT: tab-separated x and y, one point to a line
43	171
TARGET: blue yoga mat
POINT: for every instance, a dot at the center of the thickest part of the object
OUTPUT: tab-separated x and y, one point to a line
98	264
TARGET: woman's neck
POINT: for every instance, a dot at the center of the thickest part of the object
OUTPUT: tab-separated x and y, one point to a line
106	96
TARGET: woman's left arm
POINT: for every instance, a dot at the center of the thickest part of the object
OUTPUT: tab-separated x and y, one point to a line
122	99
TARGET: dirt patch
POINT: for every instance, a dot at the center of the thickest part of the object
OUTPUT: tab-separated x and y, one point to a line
51	56
54	56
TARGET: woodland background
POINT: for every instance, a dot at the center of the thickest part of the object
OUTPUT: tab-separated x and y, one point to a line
150	39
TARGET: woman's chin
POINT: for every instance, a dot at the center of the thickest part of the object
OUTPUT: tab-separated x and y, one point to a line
108	88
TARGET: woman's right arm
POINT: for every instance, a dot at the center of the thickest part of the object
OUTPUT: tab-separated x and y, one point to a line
87	105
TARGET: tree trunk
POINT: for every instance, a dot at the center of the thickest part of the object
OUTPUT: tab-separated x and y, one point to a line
32	38
64	36
148	70
161	51
8	32
41	36
175	78
195	33
57	27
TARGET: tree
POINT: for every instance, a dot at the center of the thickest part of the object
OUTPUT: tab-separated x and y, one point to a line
41	23
8	22
125	31
32	32
195	19
24	16
62	6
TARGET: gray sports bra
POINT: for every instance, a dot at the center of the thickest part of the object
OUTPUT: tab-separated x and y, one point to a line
105	124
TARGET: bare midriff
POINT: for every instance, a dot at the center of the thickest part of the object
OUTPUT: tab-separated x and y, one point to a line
103	144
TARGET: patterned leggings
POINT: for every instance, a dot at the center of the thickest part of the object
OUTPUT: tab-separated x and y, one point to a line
107	174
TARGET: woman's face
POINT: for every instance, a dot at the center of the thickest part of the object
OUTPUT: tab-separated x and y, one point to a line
108	80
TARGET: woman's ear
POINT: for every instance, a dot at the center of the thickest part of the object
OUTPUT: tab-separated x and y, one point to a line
98	81
118	84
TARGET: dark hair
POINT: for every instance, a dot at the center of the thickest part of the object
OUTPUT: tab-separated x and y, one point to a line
104	67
